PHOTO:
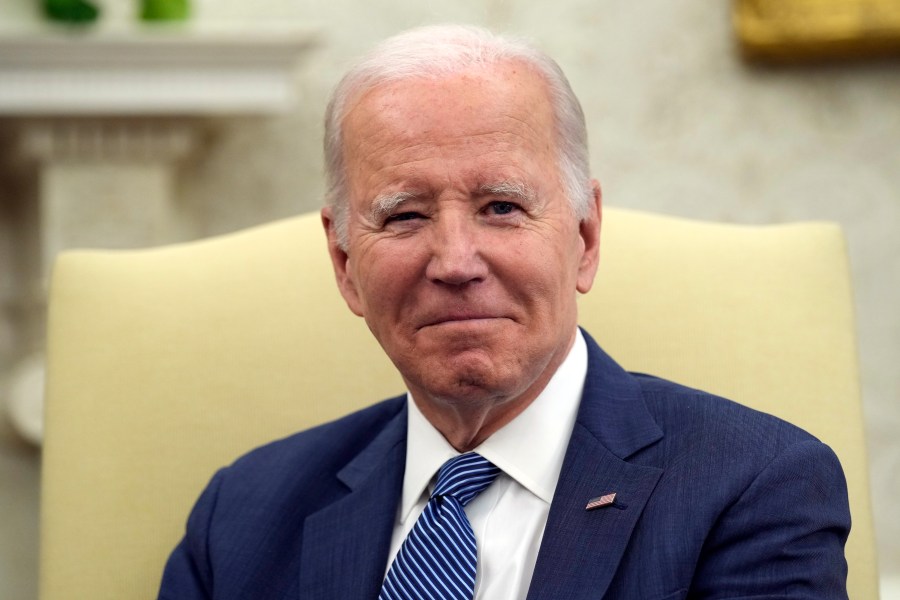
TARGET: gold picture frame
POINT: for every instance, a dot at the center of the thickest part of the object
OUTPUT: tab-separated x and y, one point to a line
796	30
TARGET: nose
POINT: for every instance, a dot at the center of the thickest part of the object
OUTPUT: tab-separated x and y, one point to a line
456	258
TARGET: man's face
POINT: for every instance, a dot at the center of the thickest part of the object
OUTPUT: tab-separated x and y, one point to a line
464	256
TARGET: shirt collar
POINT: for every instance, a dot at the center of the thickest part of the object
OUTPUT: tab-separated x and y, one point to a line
530	448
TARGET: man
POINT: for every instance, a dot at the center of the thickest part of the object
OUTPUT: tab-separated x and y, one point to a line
461	223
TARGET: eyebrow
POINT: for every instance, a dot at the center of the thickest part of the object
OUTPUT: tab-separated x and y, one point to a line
385	204
510	189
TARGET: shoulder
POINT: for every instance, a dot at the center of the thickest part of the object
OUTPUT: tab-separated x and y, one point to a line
246	526
727	441
278	484
743	490
322	449
685	411
626	405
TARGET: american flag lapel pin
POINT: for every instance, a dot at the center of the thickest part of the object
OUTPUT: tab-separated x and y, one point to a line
601	501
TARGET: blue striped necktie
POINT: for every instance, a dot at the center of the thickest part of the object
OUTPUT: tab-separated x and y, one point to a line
437	559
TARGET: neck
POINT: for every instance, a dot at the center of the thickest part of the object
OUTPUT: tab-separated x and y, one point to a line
466	425
466	422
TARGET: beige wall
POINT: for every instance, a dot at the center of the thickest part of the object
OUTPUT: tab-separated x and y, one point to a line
678	124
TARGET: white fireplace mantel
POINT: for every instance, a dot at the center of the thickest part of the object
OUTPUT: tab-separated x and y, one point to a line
107	115
151	72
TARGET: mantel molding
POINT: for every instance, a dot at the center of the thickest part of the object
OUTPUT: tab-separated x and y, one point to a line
108	115
151	72
108	141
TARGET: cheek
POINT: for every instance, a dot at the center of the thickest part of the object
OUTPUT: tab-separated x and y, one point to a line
552	281
384	280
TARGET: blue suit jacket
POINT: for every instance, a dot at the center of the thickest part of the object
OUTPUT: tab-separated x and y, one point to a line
714	500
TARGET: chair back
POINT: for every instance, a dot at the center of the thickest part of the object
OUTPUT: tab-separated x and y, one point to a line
165	364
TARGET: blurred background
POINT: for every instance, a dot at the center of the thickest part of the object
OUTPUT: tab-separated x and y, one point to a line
126	123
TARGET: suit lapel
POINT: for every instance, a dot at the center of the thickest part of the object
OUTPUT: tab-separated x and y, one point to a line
581	549
345	544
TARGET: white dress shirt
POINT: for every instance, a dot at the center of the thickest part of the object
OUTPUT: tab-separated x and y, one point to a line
508	518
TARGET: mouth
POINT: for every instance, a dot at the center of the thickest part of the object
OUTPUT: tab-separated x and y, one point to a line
460	319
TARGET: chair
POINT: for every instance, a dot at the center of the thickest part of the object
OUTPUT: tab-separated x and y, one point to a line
165	364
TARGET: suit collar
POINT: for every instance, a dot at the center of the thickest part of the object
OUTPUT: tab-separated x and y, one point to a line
613	408
581	549
355	529
359	471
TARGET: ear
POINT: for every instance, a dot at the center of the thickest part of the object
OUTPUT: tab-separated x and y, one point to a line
589	230
340	261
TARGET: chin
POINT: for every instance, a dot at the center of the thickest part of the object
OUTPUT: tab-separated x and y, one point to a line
472	383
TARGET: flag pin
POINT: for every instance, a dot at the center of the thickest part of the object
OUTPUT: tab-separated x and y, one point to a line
601	501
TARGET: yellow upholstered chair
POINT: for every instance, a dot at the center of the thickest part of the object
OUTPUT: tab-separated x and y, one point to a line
165	364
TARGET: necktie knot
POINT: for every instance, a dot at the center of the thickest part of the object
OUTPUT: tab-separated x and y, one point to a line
464	477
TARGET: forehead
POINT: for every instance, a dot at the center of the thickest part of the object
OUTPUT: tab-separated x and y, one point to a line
498	116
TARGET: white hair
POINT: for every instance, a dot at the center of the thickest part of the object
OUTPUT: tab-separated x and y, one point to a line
444	50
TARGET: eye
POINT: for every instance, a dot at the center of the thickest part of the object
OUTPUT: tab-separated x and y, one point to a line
404	216
502	207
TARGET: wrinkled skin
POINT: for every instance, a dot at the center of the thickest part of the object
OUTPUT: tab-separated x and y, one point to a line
464	256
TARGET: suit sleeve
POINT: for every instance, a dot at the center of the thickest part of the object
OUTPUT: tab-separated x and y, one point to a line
188	574
784	537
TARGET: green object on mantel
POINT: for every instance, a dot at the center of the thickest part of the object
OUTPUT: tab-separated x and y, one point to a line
165	10
71	11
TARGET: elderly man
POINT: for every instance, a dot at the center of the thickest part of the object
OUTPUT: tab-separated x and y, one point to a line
522	462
